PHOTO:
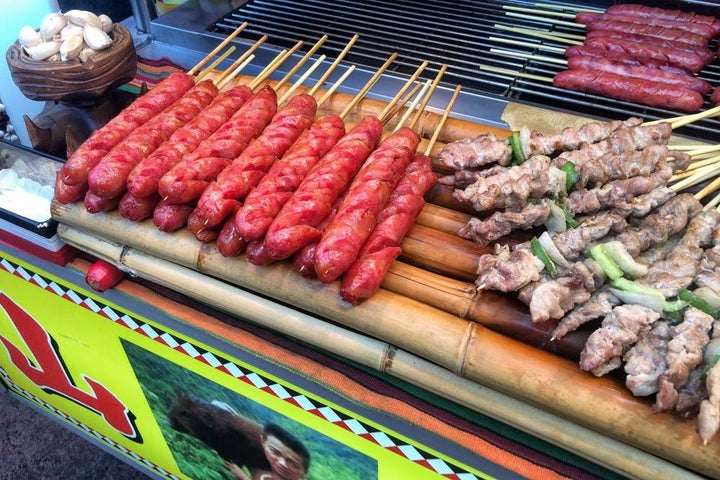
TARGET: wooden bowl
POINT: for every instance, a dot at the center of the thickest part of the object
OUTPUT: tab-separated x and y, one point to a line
73	80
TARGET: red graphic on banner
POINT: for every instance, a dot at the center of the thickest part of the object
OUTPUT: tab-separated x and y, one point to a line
51	375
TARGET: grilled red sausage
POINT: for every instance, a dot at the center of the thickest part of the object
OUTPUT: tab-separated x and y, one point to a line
256	253
701	51
78	166
188	179
623	58
137	208
223	196
681	58
65	193
630	89
268	197
644	72
109	177
356	217
144	178
706	31
669	34
169	217
382	247
667	14
229	241
296	223
97	204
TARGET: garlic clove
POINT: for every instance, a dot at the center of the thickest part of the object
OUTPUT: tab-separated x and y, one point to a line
43	51
70	30
106	23
85	54
71	48
96	38
29	37
83	18
51	25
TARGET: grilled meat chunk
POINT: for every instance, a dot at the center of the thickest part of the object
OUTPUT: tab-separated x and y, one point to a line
645	361
620	329
572	139
475	152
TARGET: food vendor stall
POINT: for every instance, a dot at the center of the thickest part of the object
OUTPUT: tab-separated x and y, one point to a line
189	364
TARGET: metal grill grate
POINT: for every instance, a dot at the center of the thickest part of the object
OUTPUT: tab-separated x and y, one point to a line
462	34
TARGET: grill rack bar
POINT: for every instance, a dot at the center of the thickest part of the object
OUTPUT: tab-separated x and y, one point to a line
460	34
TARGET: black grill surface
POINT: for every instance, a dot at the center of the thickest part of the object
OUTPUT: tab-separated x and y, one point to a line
465	35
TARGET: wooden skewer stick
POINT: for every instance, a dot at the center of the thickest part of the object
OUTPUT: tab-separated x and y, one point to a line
427	97
369	84
412	106
274	65
442	120
708	189
402	90
713	202
333	66
336	85
400	104
215	63
235	72
240	60
683	120
301	62
701	175
302	79
207	58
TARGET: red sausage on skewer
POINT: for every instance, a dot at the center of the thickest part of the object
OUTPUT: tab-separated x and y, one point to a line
144	178
223	196
356	217
187	180
365	275
78	166
108	178
296	224
265	200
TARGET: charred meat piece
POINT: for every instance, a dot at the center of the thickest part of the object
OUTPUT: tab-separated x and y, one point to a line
645	361
620	329
573	138
475	152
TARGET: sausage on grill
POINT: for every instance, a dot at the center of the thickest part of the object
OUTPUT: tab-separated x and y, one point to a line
676	35
643	11
356	217
630	89
586	62
623	58
701	51
681	58
705	31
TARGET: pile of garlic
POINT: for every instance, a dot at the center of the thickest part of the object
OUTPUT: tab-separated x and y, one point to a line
67	36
